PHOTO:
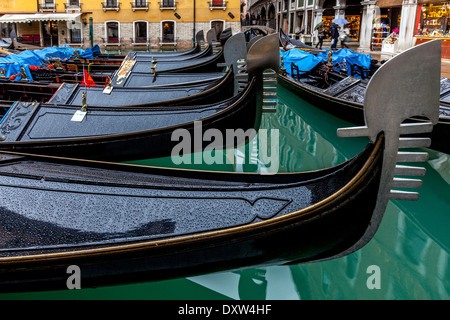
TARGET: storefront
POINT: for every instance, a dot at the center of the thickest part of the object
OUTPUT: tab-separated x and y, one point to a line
354	25
386	25
433	22
41	29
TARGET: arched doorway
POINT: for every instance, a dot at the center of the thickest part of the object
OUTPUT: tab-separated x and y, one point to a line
168	31
218	26
263	17
271	16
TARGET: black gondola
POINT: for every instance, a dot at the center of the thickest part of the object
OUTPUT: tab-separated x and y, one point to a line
155	88
26	91
203	92
199	37
130	132
111	63
288	43
47	81
343	96
118	223
54	86
118	133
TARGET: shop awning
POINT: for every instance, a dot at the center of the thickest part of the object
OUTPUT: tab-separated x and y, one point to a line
30	17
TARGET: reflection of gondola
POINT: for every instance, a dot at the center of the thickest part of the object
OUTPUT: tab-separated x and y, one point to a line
343	96
117	223
129	132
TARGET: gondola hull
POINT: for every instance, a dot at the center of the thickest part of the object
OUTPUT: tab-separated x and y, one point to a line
207	90
343	109
210	222
27	91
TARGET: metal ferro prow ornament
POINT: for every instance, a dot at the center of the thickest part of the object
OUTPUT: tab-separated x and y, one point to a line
406	86
153	68
84	104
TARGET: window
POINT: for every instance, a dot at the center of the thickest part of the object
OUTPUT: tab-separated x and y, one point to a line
112	32
48	5
75	33
168	31
4	30
167	4
140	32
111	5
72	5
218	4
140	3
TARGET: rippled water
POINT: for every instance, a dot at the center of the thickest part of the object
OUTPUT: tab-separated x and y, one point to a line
409	253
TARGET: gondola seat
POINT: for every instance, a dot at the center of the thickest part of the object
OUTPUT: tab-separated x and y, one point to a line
364	73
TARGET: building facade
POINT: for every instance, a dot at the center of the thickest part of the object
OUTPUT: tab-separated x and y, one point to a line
115	25
404	23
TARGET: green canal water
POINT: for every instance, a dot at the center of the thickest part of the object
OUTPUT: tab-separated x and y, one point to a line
409	253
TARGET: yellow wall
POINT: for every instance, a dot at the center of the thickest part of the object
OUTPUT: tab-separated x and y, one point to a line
18	6
126	16
184	9
93	8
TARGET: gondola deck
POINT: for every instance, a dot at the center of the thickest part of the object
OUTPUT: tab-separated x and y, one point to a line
208	90
134	131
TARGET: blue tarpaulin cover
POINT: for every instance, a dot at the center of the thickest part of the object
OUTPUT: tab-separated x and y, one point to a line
96	50
306	61
13	62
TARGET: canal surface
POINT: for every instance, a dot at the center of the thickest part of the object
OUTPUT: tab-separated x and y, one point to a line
407	259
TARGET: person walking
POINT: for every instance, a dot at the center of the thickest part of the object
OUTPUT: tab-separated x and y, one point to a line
321	35
344	36
334	30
